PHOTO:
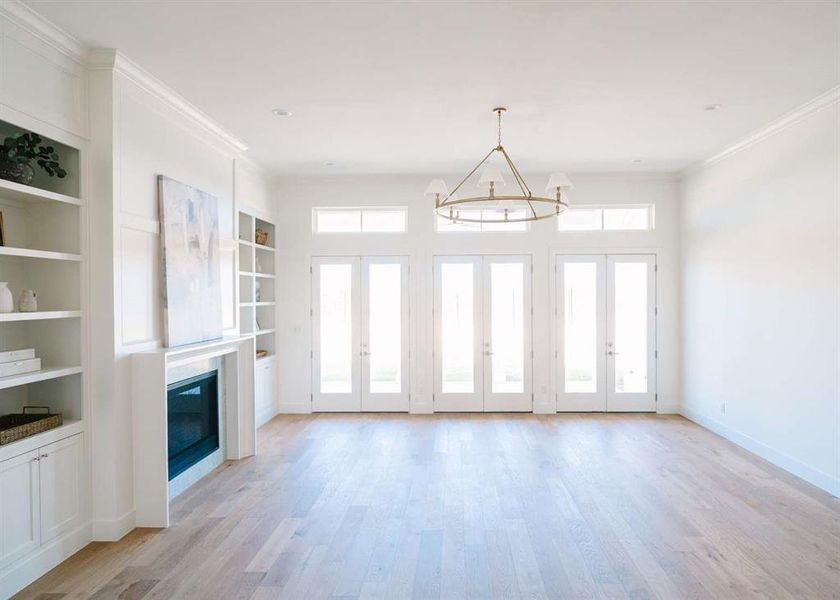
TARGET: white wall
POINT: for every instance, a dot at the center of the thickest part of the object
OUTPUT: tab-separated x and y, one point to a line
761	294
297	244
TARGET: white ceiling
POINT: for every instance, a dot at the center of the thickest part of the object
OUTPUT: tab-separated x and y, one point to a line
408	87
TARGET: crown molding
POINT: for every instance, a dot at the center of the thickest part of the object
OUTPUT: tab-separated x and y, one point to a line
825	99
108	59
28	19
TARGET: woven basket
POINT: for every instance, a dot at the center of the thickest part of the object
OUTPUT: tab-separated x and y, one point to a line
17	426
261	236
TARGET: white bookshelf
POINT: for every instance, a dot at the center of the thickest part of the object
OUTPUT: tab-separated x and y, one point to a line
43	251
257	278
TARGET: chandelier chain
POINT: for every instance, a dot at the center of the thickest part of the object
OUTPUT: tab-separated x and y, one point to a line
499	113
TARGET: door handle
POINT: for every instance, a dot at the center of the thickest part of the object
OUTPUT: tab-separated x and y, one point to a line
488	354
611	353
364	353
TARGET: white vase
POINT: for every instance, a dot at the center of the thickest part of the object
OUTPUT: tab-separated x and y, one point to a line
7	302
27	302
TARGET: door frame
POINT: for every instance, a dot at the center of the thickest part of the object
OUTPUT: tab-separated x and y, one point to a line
318	404
477	400
555	252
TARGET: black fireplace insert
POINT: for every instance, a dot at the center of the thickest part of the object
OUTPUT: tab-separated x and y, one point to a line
193	421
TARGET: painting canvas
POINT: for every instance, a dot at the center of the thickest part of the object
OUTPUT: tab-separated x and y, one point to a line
192	292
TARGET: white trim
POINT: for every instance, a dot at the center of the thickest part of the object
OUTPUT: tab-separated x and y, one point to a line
110	59
822	480
113	530
825	99
45	30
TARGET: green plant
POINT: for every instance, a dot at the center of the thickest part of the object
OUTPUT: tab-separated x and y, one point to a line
24	147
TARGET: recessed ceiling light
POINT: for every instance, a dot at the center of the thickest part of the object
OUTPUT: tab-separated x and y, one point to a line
281	112
713	107
328	164
637	160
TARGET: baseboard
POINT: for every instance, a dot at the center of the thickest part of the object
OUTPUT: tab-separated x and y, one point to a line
545	408
112	530
421	408
668	409
781	460
294	408
29	568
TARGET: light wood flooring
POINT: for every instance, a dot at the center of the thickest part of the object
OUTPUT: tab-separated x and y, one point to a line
478	506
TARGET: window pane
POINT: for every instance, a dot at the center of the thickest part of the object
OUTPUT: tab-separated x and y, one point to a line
580	318
580	219
456	321
631	326
338	221
626	218
383	221
336	329
385	323
507	328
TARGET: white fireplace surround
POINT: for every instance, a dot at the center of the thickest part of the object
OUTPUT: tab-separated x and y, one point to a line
151	372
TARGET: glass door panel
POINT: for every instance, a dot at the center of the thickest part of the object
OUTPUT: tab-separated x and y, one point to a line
335	300
384	346
507	333
457	311
631	332
580	333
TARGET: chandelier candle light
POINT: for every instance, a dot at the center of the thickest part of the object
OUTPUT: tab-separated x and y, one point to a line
495	208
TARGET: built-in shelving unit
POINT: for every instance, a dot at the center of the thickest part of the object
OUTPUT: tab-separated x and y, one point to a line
257	277
43	251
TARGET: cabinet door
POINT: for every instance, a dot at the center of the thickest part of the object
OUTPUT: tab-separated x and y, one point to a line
19	507
264	396
62	492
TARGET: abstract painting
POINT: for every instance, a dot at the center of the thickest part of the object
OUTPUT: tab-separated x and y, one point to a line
192	292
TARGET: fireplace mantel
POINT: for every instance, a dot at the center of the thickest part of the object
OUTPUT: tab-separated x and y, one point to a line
149	397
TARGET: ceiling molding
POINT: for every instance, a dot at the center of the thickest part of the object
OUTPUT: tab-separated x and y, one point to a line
26	18
110	59
825	99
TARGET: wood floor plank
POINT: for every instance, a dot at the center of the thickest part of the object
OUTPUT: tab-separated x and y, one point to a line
478	506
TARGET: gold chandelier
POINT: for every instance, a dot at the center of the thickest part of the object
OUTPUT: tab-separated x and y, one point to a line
494	207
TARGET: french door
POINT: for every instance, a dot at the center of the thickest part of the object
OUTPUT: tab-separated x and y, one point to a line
360	333
482	320
606	332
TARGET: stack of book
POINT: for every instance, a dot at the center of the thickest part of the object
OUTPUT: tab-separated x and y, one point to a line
17	362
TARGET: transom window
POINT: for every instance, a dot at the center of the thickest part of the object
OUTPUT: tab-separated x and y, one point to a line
624	217
359	219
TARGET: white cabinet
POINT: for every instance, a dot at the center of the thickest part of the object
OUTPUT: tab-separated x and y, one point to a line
264	391
20	529
41	497
61	476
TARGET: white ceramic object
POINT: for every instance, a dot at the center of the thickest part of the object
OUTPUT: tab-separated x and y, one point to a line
28	302
7	302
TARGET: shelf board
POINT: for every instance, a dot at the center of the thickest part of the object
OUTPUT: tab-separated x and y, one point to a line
265	248
264	303
265	275
45	254
35	376
27	444
27	193
268	357
246	242
40	315
264	331
248	304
